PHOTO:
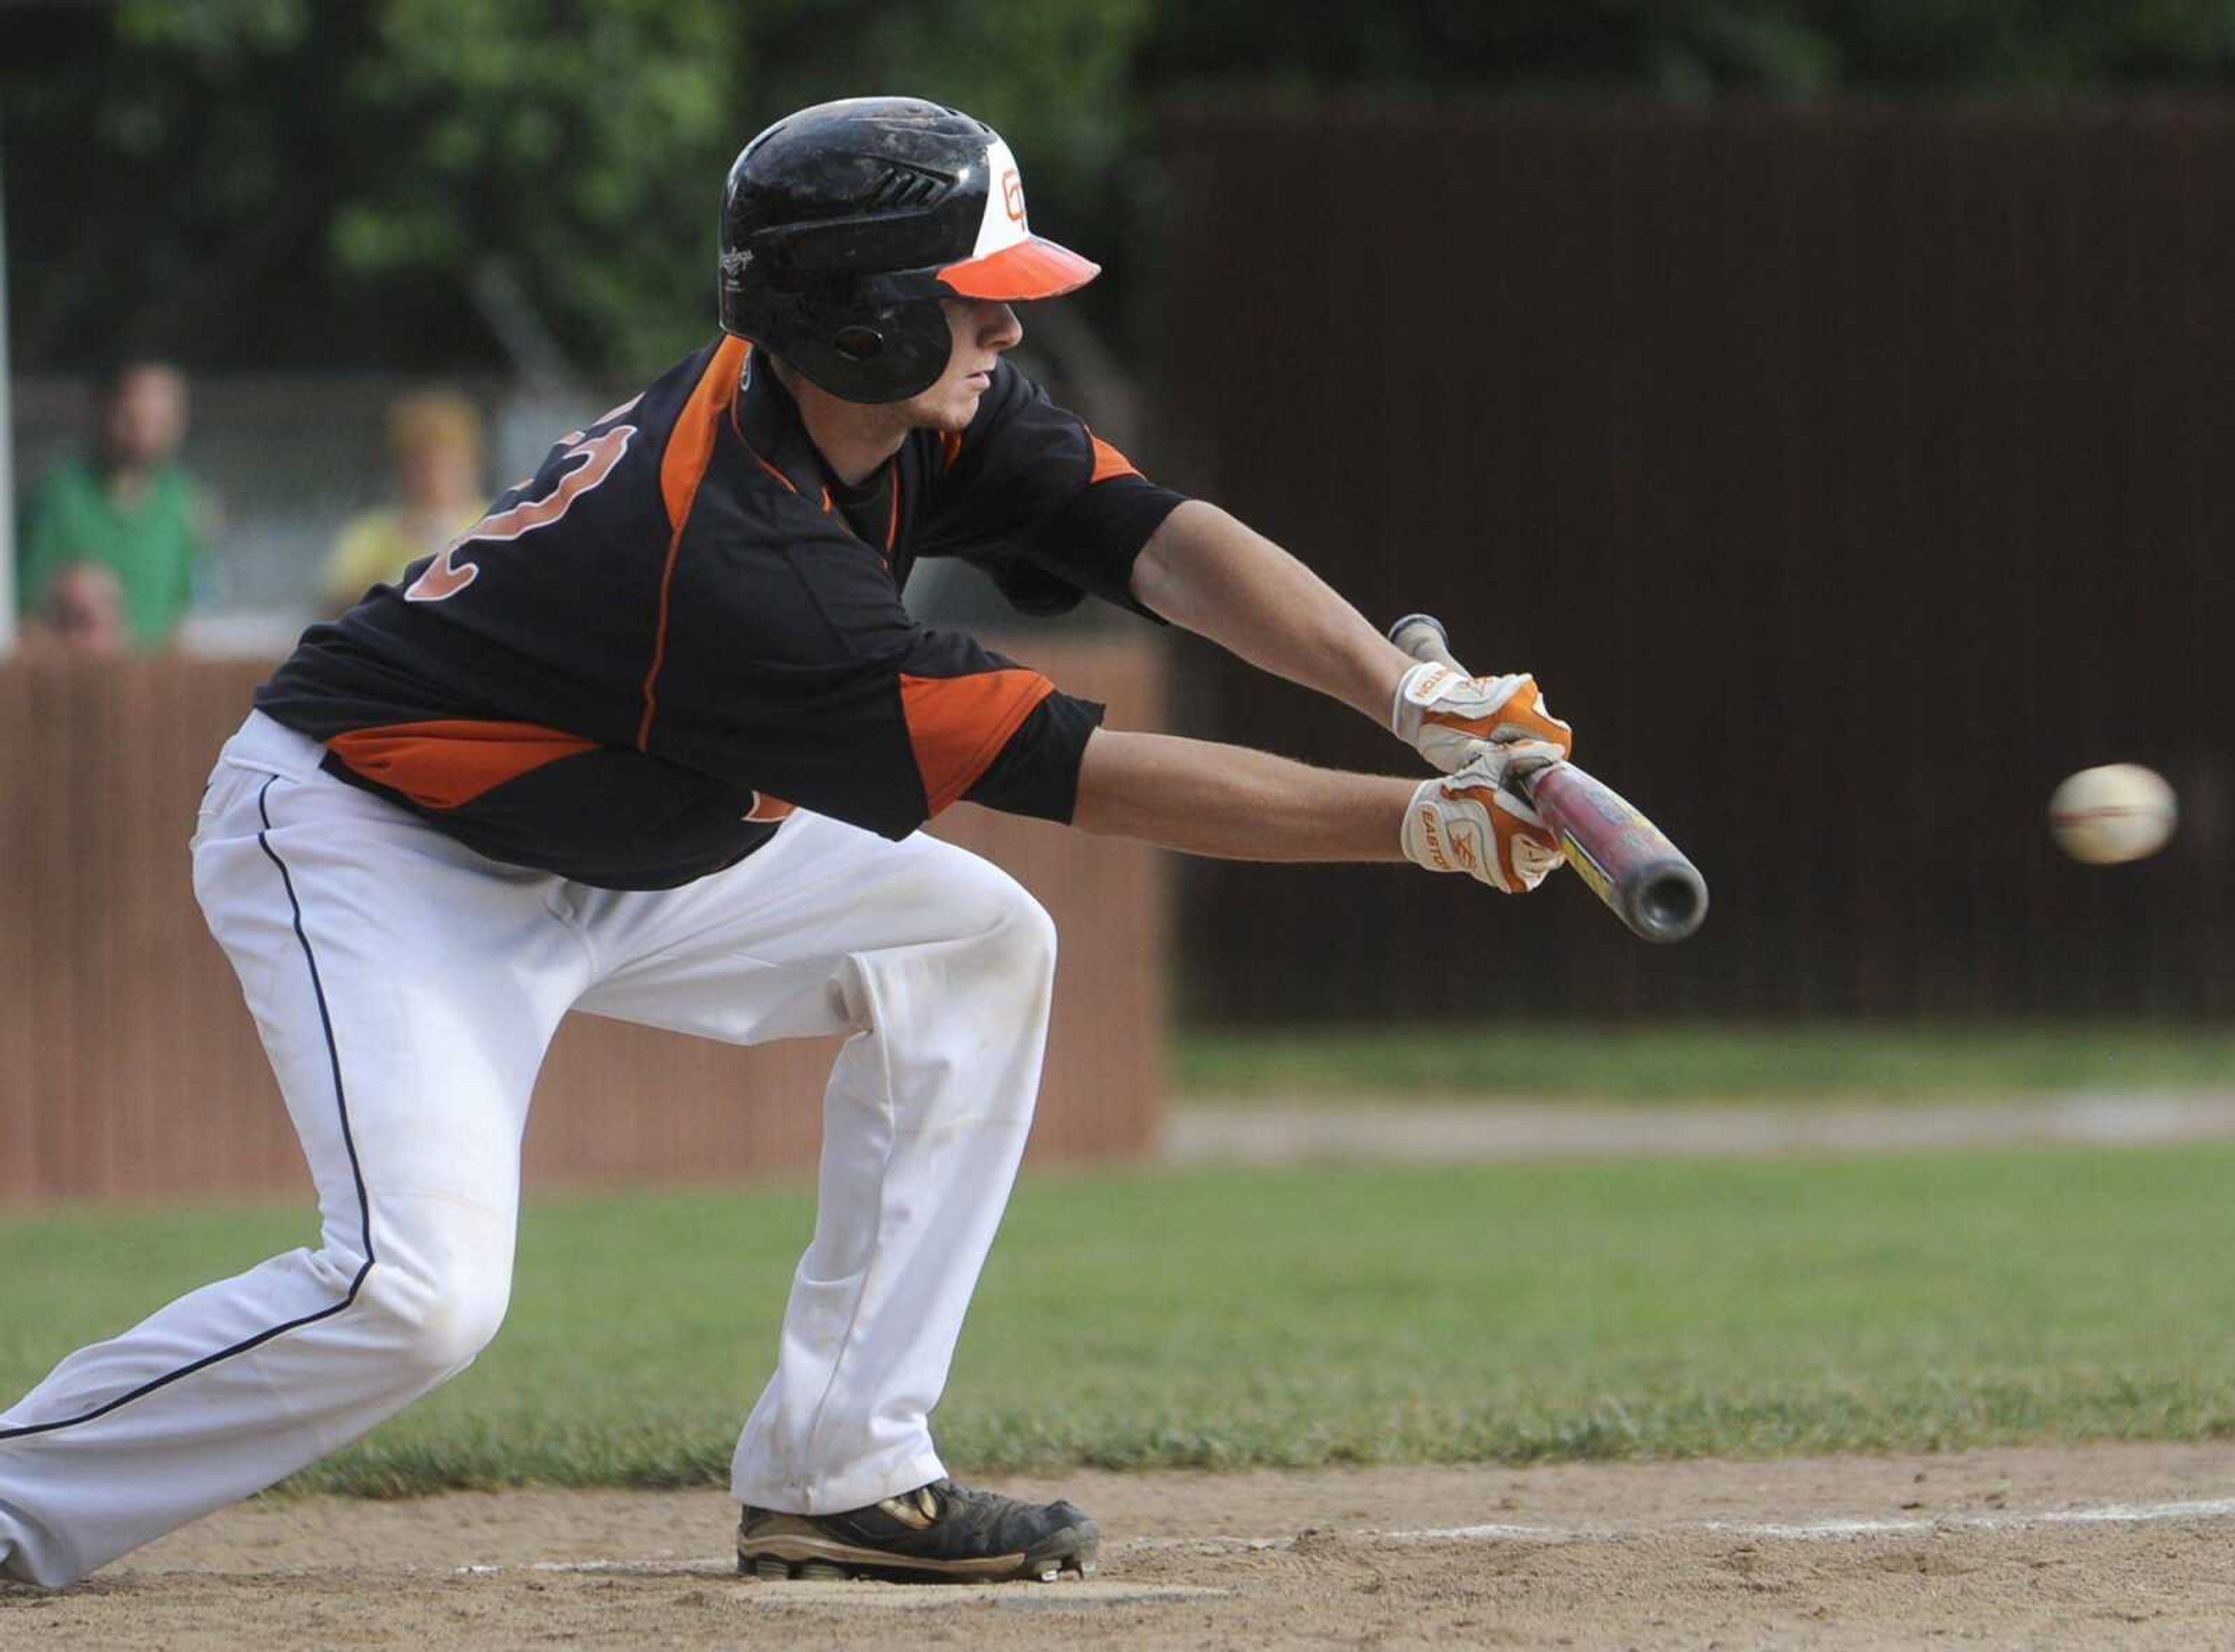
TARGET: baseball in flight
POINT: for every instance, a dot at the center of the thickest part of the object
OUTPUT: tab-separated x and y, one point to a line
2118	812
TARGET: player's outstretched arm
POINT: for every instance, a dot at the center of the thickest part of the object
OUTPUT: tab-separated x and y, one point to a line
1230	802
1236	803
1205	571
1209	574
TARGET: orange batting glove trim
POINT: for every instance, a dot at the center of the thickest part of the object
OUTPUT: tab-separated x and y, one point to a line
1442	714
1523	716
1469	822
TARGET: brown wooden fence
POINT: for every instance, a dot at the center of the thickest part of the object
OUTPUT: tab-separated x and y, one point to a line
129	1066
1847	473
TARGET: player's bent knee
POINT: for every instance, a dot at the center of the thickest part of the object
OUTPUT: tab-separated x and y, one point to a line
1013	956
433	1325
1026	935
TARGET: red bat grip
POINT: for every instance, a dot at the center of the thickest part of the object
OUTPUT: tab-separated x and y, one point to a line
1642	878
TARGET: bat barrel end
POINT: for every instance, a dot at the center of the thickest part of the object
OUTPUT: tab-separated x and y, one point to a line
1669	903
1641	877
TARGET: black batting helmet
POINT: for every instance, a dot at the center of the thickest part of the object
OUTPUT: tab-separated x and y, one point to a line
844	225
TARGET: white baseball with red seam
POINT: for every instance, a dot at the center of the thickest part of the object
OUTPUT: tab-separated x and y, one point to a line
2118	812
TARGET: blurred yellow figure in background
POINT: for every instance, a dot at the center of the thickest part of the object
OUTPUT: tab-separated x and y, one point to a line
434	440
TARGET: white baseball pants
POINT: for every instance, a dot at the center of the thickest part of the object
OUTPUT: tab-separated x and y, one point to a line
406	989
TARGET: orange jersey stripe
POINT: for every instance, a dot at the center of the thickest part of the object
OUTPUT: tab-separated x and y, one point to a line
958	724
451	761
682	467
1108	461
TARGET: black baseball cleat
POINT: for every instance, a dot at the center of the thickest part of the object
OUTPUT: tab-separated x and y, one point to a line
940	1533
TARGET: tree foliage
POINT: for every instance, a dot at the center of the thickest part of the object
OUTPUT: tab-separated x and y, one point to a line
1698	47
406	182
581	161
292	180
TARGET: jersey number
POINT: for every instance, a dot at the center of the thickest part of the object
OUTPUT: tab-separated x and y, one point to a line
445	576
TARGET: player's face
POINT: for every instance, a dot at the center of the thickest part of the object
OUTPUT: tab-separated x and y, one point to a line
982	329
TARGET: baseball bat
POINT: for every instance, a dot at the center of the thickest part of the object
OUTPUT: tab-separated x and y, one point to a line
1629	862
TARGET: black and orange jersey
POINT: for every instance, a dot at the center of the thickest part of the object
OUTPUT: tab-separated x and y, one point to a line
682	627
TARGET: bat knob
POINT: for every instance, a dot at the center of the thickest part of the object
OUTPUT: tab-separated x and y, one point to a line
1423	636
1401	626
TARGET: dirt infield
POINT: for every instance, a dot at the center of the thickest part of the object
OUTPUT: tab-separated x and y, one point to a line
2084	1546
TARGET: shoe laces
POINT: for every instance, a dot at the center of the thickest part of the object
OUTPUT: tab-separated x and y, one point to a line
917	1509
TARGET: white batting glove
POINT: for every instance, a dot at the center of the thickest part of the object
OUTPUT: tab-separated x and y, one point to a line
1469	822
1443	714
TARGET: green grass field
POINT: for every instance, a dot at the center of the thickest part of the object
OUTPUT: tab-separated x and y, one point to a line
1676	1062
1507	1312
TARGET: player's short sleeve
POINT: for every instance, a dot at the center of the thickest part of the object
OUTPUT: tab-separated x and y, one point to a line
1037	773
1050	510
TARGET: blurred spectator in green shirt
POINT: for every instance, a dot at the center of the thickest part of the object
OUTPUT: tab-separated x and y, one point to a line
128	510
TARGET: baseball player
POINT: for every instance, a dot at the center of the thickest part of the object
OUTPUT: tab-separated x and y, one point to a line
653	739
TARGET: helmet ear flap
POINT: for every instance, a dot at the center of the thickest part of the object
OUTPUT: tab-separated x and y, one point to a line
871	352
860	347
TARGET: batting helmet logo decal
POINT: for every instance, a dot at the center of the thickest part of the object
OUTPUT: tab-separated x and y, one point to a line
1012	195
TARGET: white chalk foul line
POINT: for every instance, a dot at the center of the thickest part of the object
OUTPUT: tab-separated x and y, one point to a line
1500	1533
1802	1530
1855	1526
720	1563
